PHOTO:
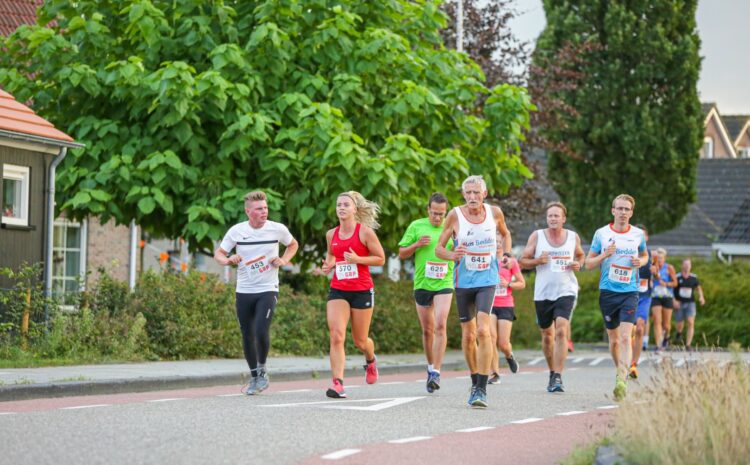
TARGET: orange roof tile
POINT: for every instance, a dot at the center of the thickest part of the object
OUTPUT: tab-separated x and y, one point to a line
14	13
17	117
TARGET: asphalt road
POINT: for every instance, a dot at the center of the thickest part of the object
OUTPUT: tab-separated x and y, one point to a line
394	421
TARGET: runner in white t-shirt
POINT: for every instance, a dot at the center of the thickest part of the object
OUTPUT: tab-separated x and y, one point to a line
256	244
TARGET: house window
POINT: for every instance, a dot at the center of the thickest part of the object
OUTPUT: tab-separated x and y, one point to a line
68	260
15	195
744	152
708	147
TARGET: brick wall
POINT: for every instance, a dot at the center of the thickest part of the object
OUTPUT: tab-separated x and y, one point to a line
109	248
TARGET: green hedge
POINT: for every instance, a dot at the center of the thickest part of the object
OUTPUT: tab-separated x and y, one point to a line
172	316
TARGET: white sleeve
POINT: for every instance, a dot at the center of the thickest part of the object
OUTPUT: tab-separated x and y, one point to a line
228	243
285	237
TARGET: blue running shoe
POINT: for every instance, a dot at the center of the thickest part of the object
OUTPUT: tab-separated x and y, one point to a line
472	395
557	383
480	399
251	389
433	381
261	382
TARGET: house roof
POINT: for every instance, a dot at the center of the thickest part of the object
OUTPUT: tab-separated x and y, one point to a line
738	229
16	118
722	190
706	107
735	124
14	13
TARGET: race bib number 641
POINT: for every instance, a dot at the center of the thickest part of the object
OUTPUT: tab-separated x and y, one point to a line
477	261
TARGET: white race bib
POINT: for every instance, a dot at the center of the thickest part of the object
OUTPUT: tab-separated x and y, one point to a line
346	271
477	261
257	266
620	274
686	292
500	290
559	264
643	285
435	270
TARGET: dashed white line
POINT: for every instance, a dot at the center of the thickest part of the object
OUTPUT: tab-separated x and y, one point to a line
340	454
573	369
7	413
391	382
462	377
607	407
596	361
526	420
166	400
230	395
572	412
578	360
411	439
353	386
474	430
85	406
528	372
421	380
297	390
536	360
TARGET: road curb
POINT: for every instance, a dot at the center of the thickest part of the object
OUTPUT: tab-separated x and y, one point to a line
123	386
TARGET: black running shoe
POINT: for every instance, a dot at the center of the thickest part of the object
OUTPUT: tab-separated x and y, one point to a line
557	383
551	384
512	363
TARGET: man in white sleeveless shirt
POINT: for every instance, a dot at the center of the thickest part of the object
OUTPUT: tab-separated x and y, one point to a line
556	254
473	227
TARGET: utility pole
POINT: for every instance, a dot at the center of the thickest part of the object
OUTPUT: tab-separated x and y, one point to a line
460	26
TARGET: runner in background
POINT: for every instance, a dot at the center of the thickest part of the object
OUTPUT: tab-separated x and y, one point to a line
662	297
687	287
640	338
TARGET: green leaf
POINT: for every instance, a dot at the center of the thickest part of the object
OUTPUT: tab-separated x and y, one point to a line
146	205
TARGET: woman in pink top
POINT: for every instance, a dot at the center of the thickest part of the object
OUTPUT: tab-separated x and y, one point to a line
503	313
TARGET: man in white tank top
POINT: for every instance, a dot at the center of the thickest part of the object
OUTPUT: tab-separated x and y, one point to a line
556	254
474	227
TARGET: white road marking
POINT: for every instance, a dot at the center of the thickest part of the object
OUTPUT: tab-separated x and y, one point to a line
573	369
421	380
411	439
474	430
536	360
578	360
353	386
85	406
391	382
607	407
297	390
526	420
596	361
7	413
346	404
230	395
572	412
340	454
166	400
462	377
528	372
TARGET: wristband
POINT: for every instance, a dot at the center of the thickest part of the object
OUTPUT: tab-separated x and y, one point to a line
506	254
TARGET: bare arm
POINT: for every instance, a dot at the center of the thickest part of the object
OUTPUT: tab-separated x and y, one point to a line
527	260
408	251
502	228
290	251
519	283
222	257
672	277
330	261
700	295
441	252
377	255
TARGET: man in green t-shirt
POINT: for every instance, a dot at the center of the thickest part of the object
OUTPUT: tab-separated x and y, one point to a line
433	283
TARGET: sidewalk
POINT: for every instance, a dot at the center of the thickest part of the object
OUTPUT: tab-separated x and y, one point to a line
77	380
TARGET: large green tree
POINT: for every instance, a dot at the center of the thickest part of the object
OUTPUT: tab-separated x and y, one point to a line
623	116
186	105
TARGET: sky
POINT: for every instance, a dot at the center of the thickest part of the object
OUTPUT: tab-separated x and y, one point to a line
723	26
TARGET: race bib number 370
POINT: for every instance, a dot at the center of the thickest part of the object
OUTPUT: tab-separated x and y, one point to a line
435	270
477	261
620	274
346	270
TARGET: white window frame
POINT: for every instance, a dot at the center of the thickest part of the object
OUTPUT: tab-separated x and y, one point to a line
744	152
83	225
710	141
21	174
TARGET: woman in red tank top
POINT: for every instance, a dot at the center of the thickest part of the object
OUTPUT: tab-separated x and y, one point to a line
353	247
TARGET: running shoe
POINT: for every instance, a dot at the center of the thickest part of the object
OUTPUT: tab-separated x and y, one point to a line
570	346
551	384
371	372
479	399
433	381
261	382
336	391
494	378
472	394
621	388
512	363
557	384
251	388
633	373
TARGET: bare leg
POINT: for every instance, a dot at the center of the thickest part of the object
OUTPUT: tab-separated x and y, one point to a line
561	344
656	316
548	346
690	331
640	330
337	313
495	364
442	306
486	347
469	343
360	332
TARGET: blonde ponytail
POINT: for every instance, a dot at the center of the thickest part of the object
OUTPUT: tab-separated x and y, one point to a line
367	211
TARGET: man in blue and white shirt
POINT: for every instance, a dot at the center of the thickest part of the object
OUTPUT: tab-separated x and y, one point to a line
619	250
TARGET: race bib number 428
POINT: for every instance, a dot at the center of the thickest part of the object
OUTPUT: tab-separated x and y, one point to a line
477	261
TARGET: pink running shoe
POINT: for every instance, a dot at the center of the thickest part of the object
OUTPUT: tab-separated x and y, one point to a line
337	390
371	372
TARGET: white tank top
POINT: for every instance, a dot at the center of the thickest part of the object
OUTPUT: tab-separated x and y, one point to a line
555	279
478	268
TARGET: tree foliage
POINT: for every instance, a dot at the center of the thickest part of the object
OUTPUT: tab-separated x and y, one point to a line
186	105
621	110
